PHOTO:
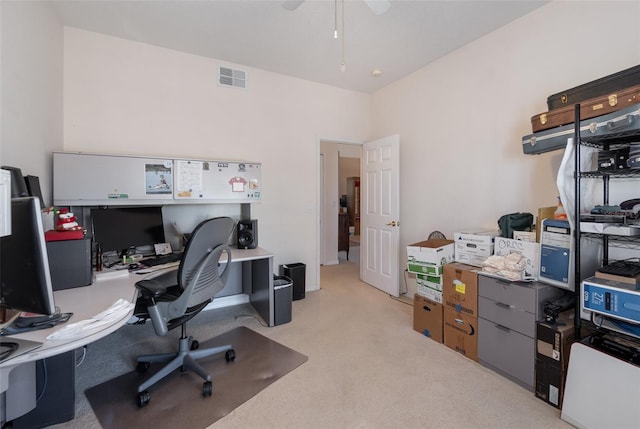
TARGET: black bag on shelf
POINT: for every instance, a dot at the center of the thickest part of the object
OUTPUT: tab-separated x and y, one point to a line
514	222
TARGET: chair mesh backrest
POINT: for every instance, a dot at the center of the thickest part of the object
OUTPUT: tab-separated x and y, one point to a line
208	240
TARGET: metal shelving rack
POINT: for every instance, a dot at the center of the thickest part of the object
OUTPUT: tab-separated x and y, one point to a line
616	138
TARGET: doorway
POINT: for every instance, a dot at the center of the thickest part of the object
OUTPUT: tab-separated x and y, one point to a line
349	222
380	221
338	161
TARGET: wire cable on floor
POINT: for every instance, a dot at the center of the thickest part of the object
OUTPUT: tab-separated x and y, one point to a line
250	315
406	289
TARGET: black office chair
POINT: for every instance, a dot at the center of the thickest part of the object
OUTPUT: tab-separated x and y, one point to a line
173	297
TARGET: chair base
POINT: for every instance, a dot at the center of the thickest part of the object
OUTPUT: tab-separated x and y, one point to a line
185	359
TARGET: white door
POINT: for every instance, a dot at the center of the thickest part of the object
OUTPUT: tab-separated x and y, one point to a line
380	214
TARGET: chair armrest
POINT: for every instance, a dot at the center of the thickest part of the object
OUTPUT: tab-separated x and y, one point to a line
151	288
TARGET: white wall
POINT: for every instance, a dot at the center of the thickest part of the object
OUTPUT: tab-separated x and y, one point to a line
132	98
462	118
31	89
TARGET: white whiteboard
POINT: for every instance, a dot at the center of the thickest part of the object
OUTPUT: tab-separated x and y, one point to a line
87	179
95	179
217	181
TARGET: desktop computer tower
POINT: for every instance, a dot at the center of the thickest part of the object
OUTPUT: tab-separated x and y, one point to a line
70	263
57	385
557	255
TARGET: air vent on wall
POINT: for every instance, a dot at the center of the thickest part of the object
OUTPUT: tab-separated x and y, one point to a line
231	77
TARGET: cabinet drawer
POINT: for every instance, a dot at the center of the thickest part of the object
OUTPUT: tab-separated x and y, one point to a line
507	352
507	316
512	294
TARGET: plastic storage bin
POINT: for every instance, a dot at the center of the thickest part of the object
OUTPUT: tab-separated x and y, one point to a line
282	294
296	272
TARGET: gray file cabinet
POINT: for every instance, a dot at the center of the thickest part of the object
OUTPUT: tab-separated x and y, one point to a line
507	315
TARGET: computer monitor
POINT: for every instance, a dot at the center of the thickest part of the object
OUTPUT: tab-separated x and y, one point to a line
25	282
120	228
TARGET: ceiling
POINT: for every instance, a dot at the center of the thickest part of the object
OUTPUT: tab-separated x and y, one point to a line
300	43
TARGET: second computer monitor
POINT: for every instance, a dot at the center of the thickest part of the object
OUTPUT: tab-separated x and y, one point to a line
118	229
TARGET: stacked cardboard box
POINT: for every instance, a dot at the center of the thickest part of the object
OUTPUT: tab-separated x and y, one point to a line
553	343
460	295
427	317
473	248
426	260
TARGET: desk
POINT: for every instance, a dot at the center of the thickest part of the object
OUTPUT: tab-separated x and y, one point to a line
253	279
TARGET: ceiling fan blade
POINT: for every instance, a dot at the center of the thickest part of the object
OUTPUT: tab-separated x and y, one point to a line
378	6
292	4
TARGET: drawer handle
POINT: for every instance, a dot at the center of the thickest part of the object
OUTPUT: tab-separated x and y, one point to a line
503	328
503	305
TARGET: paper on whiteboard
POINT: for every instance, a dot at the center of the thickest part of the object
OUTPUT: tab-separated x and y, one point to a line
189	176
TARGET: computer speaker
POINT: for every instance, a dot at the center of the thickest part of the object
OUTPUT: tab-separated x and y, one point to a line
247	233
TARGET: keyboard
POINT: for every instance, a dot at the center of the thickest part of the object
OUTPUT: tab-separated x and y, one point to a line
162	259
622	268
12	347
157	267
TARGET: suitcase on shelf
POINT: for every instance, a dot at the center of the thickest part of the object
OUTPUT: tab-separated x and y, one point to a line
616	127
547	140
590	108
611	83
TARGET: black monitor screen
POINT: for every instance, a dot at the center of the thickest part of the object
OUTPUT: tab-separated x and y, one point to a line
24	264
118	229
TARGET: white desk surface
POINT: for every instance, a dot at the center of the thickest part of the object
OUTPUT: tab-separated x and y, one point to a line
88	301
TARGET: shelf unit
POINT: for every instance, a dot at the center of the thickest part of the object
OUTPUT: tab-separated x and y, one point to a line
616	134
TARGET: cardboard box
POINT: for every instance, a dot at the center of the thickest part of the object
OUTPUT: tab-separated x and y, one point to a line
434	282
460	288
529	236
505	246
485	237
421	268
429	286
427	257
474	247
427	318
461	333
472	253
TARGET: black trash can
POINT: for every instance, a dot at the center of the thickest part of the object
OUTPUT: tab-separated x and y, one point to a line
296	272
282	292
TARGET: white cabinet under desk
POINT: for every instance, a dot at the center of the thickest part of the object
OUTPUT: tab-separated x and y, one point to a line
507	316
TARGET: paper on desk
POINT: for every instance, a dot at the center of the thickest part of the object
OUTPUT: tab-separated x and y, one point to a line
89	326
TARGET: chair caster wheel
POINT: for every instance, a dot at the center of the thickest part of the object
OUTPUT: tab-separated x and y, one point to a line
195	345
142	367
230	355
143	398
207	389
